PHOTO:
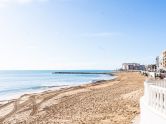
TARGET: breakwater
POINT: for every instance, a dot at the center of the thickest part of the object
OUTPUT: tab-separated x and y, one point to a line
108	73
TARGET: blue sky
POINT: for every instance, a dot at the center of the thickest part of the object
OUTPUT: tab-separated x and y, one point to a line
80	34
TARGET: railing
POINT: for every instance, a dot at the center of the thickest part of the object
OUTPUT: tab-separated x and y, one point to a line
155	95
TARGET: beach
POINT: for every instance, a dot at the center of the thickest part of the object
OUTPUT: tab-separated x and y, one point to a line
104	102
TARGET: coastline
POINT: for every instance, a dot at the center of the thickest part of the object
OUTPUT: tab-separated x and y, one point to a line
42	89
97	102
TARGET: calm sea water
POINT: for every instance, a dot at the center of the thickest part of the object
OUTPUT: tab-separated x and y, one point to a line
16	83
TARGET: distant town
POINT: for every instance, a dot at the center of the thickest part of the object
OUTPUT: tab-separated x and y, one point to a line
158	69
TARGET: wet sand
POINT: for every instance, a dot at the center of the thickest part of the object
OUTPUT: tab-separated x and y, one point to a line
105	102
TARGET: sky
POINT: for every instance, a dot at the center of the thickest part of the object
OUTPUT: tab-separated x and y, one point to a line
80	34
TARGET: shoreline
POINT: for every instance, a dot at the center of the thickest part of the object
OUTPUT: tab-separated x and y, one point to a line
18	95
55	88
112	101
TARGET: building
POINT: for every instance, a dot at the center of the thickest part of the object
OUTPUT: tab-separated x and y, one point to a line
132	66
164	59
151	68
141	67
161	61
157	62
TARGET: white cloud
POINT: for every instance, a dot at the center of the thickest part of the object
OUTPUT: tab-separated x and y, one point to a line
5	3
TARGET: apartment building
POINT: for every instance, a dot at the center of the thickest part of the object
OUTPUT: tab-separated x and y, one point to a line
132	66
164	59
161	61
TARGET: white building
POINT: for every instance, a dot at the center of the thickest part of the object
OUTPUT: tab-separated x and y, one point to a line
132	66
161	61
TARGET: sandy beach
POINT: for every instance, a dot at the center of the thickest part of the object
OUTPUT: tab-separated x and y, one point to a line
105	102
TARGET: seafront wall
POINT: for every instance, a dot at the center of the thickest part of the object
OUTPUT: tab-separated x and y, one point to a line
153	103
150	115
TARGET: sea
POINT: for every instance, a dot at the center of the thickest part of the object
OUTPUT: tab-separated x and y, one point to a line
16	83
